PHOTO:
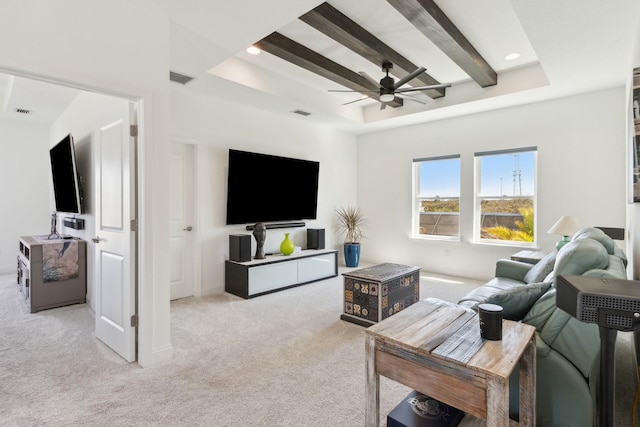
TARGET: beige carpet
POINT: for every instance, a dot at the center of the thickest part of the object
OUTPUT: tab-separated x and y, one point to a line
284	359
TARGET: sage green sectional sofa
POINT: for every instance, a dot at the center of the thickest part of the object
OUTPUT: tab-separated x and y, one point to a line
567	350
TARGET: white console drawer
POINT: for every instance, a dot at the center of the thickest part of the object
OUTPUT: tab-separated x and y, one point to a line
272	276
316	267
261	276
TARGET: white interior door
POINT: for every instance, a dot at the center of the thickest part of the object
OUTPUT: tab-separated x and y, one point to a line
181	220
114	243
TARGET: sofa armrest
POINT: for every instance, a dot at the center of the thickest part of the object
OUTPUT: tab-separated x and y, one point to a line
511	269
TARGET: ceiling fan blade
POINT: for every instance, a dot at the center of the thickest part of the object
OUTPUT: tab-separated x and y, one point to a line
414	88
359	99
410	76
411	98
352	91
369	78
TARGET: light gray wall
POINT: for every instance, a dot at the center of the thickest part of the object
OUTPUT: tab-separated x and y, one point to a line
581	171
25	185
216	126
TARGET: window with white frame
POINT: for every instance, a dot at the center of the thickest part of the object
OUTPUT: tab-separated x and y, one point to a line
436	183
505	197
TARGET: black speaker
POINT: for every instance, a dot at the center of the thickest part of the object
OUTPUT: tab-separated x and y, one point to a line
611	303
315	238
240	247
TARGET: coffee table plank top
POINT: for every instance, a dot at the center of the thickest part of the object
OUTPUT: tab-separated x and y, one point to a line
500	357
428	323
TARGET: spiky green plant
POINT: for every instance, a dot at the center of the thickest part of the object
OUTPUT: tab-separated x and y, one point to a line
524	232
351	221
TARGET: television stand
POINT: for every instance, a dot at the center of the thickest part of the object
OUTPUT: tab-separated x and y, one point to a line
277	272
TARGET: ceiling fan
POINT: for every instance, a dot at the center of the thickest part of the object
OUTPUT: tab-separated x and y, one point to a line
388	89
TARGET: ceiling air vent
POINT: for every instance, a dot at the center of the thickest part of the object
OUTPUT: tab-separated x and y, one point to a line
179	78
23	111
301	112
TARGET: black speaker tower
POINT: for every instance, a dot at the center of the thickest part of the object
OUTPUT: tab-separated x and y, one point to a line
315	238
240	247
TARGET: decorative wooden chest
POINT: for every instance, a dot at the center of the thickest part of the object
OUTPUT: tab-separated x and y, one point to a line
374	293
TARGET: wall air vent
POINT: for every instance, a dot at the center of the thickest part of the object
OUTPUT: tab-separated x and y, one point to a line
179	78
23	111
301	112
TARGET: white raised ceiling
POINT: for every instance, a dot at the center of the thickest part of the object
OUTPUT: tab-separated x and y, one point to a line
566	47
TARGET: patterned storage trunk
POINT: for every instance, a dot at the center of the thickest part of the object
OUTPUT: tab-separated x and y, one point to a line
375	293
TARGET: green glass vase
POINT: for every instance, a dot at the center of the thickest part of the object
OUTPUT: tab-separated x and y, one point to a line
286	247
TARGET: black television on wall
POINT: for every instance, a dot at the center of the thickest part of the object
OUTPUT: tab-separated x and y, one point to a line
66	182
267	188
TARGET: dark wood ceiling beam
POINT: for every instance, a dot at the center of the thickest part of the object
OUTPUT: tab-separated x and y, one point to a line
427	17
292	51
334	24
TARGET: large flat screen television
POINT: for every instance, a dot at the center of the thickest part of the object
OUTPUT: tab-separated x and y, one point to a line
266	188
64	170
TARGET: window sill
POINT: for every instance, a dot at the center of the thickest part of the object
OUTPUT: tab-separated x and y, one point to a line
435	238
509	244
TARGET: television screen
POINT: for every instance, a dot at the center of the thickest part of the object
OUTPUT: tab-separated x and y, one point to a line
64	171
266	188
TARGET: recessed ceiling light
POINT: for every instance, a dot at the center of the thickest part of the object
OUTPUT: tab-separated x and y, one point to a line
252	50
512	56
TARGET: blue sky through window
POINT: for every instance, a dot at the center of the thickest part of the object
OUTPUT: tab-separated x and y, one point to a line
507	174
440	178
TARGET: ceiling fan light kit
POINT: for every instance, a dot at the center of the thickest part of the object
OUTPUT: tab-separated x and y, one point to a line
386	97
388	90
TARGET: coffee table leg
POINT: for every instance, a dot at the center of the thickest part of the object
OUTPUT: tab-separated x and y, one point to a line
497	402
372	408
528	385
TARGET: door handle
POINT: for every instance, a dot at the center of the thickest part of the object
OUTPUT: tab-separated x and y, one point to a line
96	239
189	228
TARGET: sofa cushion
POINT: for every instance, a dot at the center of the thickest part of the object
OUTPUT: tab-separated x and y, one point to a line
580	255
542	268
516	302
597	235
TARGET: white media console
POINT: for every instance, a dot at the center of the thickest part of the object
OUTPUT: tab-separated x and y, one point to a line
277	272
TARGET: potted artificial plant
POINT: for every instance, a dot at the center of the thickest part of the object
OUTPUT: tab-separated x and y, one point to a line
350	223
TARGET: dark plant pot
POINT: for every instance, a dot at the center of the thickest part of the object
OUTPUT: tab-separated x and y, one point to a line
352	254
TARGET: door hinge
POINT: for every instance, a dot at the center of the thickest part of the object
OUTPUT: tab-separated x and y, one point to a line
134	225
133	130
134	321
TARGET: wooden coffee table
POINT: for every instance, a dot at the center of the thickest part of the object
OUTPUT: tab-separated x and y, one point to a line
404	348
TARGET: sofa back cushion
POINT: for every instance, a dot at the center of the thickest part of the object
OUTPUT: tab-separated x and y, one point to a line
597	235
580	255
